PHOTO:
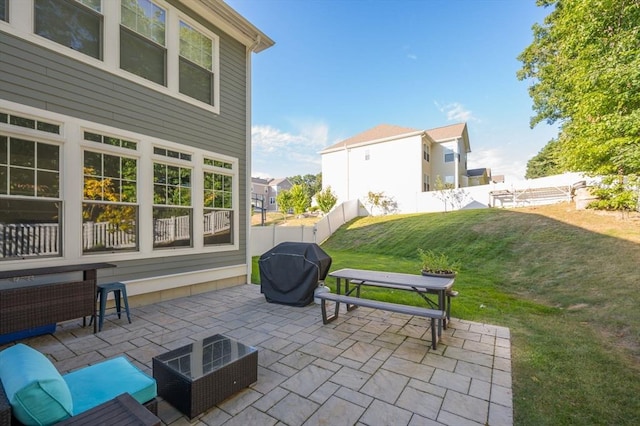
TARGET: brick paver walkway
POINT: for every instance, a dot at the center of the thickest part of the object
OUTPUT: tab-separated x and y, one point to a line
369	367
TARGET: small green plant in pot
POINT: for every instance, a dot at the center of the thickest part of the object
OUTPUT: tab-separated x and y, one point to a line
437	264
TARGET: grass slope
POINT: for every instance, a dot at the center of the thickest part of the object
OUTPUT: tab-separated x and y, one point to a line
565	282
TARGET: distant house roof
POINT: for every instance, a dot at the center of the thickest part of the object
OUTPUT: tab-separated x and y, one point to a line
448	132
479	172
278	181
384	132
378	133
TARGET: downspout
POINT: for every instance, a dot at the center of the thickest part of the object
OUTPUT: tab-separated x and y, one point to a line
249	158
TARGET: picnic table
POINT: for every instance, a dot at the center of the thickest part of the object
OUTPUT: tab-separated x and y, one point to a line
424	286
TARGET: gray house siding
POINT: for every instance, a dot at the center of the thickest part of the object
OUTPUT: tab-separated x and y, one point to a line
38	77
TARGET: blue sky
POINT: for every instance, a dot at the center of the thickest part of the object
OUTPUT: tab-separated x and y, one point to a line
340	67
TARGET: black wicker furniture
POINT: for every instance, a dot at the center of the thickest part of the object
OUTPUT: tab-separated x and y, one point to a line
120	411
198	376
26	303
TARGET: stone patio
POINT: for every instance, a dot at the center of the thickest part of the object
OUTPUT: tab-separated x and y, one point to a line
368	367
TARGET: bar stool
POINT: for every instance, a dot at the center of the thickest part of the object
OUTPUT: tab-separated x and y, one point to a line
119	290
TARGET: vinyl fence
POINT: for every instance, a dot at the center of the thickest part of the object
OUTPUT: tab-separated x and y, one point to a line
263	238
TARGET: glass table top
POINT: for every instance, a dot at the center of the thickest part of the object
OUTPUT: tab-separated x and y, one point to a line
205	356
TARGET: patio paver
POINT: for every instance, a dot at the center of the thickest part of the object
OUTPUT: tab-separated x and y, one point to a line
366	368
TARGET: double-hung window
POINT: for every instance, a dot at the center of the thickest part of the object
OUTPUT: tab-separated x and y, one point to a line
218	202
142	40
110	195
30	200
172	207
196	64
76	24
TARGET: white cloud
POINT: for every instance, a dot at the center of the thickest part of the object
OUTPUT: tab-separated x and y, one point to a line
455	111
412	56
278	153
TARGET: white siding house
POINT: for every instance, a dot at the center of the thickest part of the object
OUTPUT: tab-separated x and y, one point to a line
397	161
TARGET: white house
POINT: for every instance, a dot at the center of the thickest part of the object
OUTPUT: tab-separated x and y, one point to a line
397	161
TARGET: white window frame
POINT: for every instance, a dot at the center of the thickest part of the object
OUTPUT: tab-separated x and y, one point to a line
21	24
72	143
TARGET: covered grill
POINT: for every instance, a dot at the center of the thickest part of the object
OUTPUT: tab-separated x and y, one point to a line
290	272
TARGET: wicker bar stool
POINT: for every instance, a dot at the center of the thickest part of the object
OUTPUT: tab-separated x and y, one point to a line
119	293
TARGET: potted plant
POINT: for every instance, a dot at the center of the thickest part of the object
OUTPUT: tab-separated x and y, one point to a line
436	264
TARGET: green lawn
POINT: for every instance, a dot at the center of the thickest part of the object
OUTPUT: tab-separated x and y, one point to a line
569	294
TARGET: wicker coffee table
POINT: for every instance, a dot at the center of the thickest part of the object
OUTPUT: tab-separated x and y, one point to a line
198	376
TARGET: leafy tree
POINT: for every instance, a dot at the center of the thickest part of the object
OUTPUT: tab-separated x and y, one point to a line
448	194
326	199
584	62
301	199
285	202
380	201
617	193
313	183
546	162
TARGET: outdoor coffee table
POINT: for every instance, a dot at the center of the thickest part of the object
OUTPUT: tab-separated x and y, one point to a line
195	377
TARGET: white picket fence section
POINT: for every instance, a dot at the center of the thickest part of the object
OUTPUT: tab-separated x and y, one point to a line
105	235
217	221
21	240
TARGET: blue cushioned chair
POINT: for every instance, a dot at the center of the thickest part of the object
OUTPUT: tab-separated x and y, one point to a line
39	395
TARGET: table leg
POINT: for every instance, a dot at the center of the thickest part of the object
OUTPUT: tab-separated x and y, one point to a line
441	306
347	292
92	274
337	307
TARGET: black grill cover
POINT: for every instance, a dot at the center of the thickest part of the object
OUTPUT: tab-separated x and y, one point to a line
290	272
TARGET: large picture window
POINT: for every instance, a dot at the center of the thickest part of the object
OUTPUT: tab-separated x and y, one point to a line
30	204
142	40
76	24
196	64
218	208
172	212
109	210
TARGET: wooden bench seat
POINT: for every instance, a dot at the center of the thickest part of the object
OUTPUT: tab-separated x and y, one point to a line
432	314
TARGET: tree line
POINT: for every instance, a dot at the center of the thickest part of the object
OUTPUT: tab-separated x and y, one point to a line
584	69
298	199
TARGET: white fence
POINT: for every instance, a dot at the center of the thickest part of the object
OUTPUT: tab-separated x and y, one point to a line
105	235
43	239
19	240
263	238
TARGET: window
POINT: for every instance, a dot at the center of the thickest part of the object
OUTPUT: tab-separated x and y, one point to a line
153	43
76	24
196	64
425	152
449	156
218	205
29	123
272	200
30	205
109	210
3	10
425	183
142	40
367	155
110	140
172	212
